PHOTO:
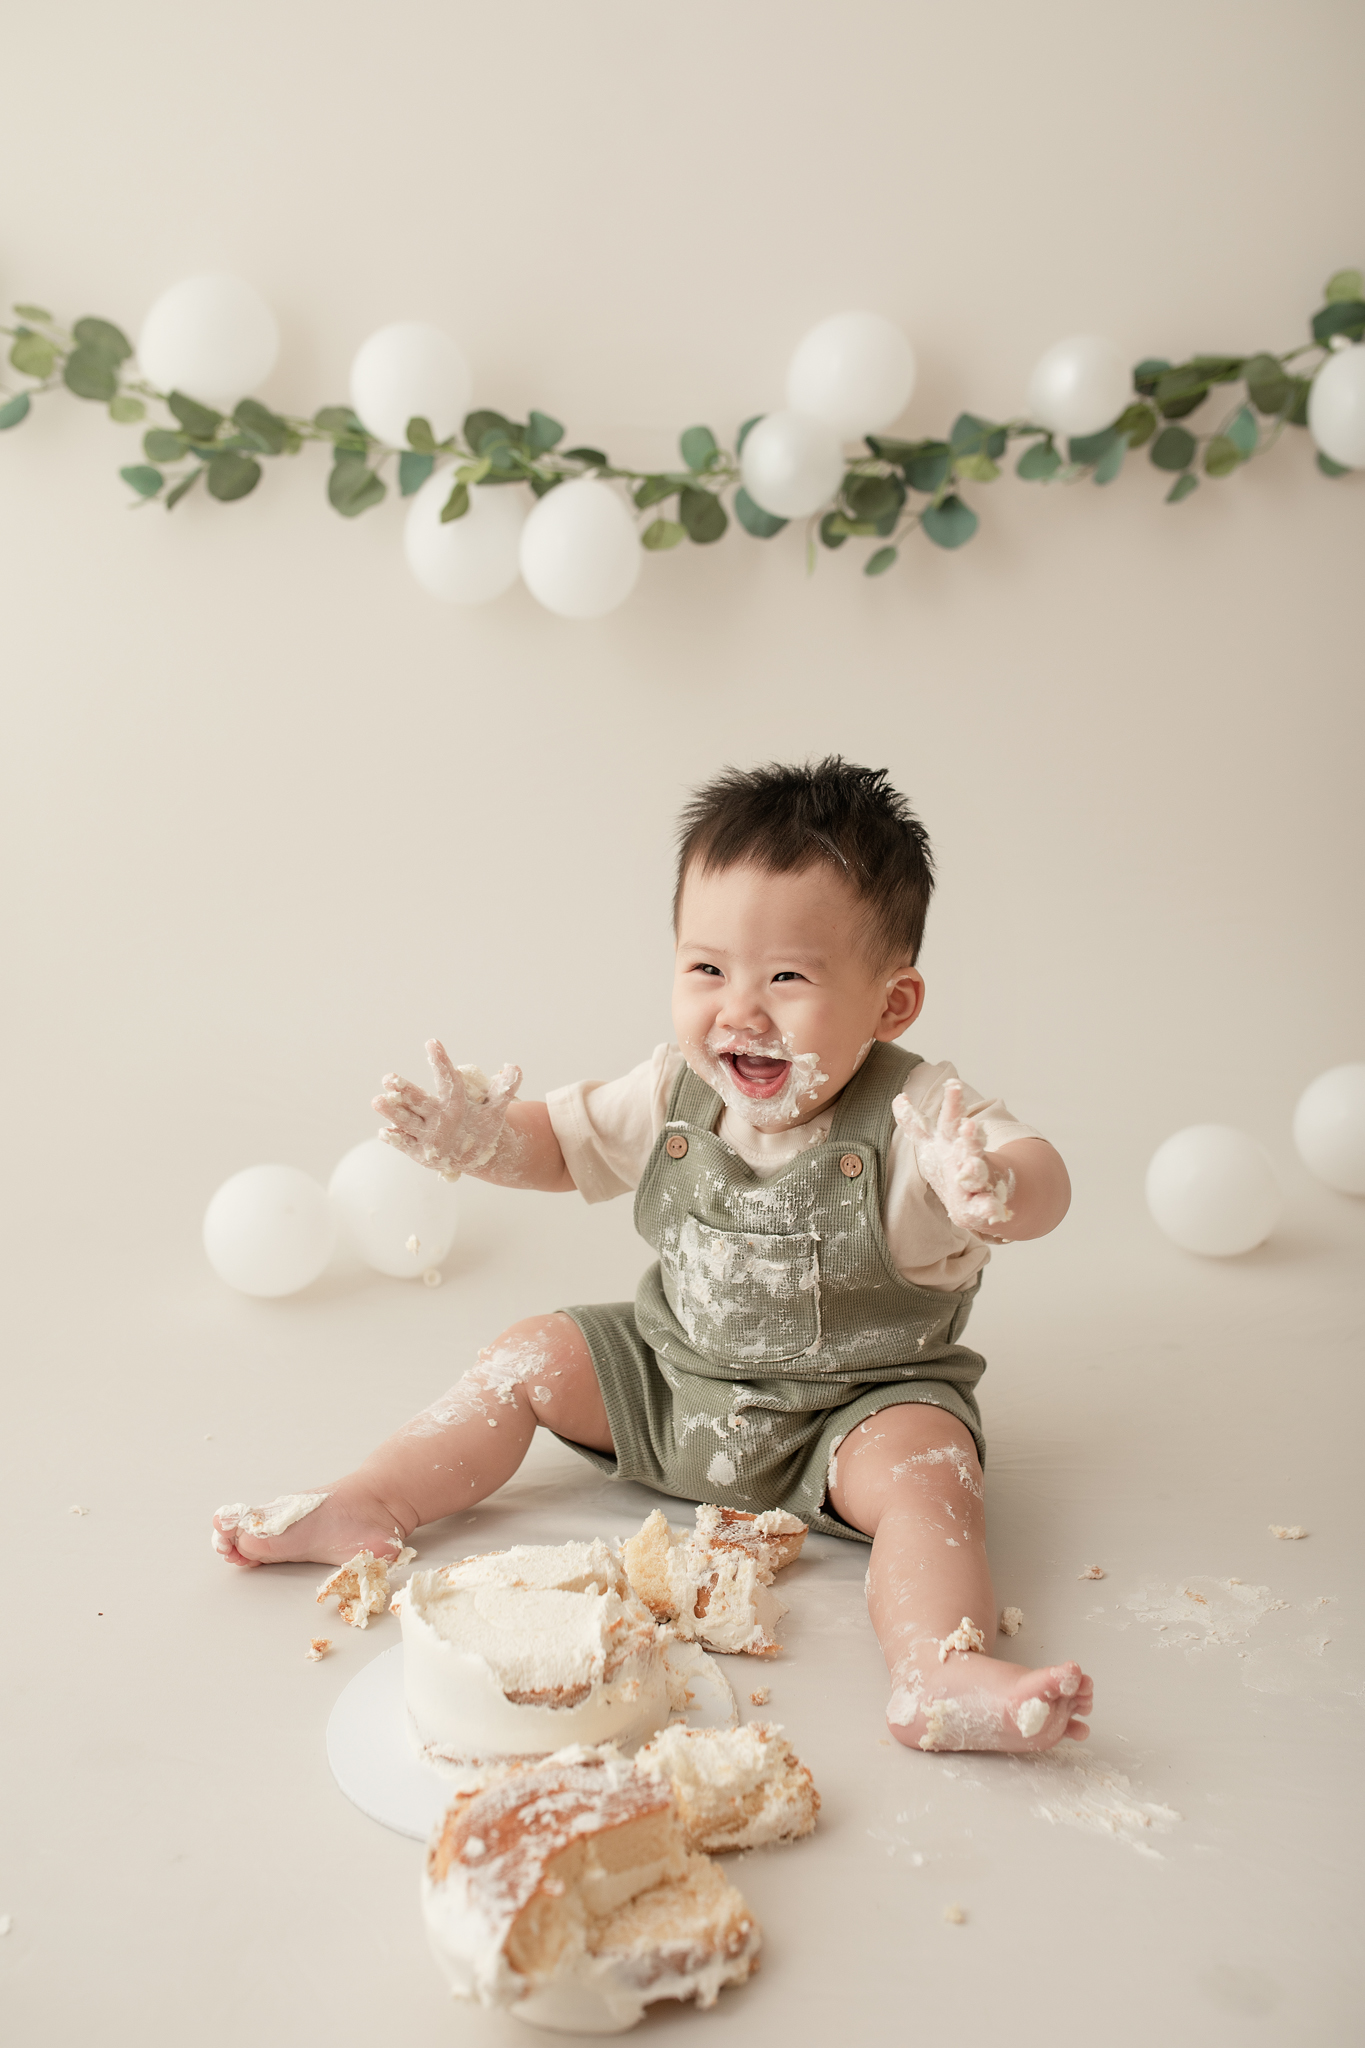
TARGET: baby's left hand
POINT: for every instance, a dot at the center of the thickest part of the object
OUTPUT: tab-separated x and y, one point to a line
951	1156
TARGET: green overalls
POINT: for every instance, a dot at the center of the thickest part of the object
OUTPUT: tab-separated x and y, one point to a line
775	1320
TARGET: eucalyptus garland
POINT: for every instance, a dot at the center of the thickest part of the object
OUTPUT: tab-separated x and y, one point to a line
886	493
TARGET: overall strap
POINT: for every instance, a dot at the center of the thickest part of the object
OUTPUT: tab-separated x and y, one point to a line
863	1115
693	1102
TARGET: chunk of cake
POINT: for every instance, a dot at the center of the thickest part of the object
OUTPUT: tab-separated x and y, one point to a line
711	1583
734	1788
522	1652
566	1892
360	1588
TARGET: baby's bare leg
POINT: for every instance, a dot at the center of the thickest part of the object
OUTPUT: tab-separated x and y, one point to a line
910	1479
451	1455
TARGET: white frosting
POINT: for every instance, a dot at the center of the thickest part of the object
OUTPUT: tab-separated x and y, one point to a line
527	1621
1031	1717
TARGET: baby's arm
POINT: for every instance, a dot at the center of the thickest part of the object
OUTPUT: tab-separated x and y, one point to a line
1018	1192
473	1126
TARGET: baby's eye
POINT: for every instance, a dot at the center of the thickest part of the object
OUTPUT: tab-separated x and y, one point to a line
703	967
789	974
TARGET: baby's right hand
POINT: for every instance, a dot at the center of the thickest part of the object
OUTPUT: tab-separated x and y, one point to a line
459	1128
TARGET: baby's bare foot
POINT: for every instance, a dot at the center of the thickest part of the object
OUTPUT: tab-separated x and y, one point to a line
972	1701
327	1527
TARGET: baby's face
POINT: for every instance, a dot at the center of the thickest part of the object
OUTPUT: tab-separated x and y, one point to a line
775	1002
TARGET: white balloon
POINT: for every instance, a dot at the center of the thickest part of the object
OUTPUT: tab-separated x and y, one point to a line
214	338
855	371
1080	385
1212	1189
468	560
1336	407
580	554
791	464
400	1216
269	1230
408	371
1329	1128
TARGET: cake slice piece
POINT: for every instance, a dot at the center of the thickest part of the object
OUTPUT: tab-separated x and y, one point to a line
361	1588
566	1892
734	1788
711	1583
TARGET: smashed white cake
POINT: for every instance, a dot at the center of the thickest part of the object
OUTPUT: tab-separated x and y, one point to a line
734	1788
567	1893
360	1588
712	1584
524	1651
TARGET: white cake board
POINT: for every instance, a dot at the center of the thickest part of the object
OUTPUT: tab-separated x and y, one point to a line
376	1766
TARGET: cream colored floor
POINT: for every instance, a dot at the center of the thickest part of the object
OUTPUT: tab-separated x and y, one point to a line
180	1866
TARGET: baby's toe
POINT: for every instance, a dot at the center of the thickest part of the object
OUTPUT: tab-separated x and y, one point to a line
1077	1731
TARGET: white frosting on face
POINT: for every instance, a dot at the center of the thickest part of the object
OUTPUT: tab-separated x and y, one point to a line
772	1113
557	1622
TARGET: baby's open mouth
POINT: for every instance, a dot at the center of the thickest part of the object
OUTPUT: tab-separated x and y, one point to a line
757	1075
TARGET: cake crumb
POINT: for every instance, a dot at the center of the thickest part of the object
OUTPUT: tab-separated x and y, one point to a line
318	1646
78	1511
1011	1621
954	1915
414	1244
1094	1571
1293	1535
760	1696
433	1276
361	1588
966	1636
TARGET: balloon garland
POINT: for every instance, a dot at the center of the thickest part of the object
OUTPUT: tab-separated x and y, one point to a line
577	540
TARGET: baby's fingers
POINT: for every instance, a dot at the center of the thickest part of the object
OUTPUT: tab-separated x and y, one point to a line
503	1086
950	1111
448	1081
401	1142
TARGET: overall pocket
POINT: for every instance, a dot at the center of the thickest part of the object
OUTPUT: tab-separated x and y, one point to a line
740	1295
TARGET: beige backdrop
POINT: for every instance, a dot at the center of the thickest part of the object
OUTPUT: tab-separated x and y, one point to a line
272	816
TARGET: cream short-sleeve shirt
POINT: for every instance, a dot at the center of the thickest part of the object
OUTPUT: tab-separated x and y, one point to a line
606	1131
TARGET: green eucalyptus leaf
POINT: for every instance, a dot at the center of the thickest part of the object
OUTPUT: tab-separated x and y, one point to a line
540	485
1269	385
592	457
232	476
338	419
1297	415
1182	487
14	410
90	375
1137	424
762	525
456	505
352	488
1341	286
33	313
1244	433
878	564
872	497
200	422
745	431
926	467
833	530
420	436
1111	462
1174	448
698	446
473	472
142	478
1038	463
266	427
973	436
159	444
1148	373
1330	468
889	449
125	410
846	528
950	524
976	469
1088	448
413	471
662	533
1219	369
486	431
102	338
186	483
543	433
702	513
1344	316
1179	391
1221	456
33	354
654	490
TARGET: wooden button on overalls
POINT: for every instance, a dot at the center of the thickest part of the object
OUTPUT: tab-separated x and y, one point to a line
675	1146
850	1166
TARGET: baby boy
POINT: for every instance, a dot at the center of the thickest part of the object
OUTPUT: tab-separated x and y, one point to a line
822	1204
